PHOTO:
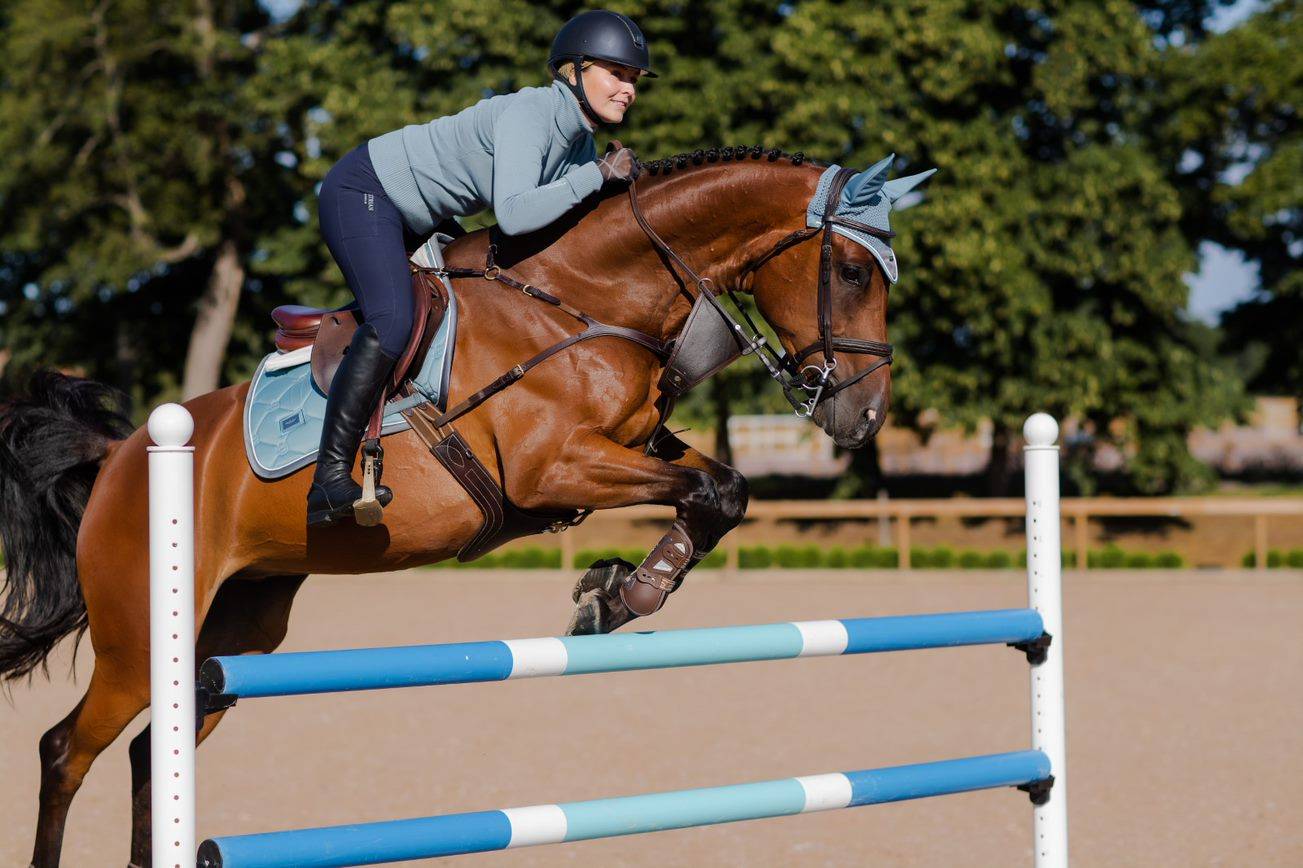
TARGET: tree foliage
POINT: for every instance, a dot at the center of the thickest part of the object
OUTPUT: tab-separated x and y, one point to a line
1232	143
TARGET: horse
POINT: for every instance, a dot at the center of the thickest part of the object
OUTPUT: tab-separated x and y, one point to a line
568	436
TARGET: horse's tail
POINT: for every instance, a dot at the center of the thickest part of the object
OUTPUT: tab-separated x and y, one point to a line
52	443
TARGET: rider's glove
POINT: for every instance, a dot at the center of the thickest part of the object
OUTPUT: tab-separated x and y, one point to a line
618	163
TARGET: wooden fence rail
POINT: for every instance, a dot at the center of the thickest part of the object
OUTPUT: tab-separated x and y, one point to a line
1077	511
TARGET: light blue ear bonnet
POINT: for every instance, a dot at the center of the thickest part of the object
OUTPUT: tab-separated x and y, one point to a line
866	198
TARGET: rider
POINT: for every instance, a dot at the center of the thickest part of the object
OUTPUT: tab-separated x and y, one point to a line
529	155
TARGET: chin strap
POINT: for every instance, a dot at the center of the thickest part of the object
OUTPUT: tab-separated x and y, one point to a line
578	90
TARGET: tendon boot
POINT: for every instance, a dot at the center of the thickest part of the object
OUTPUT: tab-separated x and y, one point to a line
354	393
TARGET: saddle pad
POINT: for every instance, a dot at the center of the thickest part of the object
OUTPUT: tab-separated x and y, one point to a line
284	410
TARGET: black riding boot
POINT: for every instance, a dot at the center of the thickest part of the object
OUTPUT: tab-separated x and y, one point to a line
354	393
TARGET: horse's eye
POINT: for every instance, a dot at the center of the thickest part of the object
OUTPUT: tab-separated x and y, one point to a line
852	274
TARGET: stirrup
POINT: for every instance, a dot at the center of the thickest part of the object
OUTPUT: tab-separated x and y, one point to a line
367	511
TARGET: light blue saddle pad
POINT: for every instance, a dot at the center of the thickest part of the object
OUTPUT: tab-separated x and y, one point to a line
284	410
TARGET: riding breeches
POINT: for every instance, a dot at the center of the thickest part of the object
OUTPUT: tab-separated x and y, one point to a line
370	242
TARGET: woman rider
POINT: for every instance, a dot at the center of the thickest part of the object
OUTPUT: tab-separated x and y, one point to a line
529	155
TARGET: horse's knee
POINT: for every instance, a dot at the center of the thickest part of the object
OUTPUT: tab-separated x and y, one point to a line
734	493
701	500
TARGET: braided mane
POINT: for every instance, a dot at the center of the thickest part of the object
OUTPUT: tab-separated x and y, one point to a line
733	154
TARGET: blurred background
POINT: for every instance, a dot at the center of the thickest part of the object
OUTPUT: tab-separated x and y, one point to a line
1113	235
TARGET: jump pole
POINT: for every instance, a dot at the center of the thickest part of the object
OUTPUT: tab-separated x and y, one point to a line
222	680
172	635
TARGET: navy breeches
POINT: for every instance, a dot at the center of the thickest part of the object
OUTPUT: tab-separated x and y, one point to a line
370	242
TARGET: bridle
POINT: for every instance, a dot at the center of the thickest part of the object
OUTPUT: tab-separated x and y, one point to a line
805	385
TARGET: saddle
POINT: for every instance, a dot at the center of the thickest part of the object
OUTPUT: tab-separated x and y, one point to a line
330	330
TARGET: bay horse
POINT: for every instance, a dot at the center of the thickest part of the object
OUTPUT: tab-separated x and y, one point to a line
73	481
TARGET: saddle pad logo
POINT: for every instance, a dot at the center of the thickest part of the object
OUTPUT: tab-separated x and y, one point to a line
292	421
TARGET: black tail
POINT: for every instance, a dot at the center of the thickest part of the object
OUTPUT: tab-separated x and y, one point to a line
52	441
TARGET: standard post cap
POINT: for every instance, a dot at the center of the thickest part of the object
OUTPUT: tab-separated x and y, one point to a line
170	426
1040	431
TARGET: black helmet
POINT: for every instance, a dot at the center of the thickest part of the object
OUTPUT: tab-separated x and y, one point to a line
601	35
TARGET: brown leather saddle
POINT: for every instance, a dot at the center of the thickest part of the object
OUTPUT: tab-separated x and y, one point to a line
330	330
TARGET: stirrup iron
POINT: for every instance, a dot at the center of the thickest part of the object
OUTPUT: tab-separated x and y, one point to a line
367	511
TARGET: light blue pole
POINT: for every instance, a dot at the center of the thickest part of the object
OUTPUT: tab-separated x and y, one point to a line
429	837
422	665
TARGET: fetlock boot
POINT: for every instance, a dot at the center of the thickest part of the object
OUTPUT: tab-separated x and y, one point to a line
354	393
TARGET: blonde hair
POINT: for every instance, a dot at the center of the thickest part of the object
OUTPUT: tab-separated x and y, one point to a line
567	69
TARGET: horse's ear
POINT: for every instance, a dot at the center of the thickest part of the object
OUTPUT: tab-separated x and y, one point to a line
867	184
900	186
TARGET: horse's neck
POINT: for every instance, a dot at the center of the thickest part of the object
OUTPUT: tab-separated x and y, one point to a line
717	219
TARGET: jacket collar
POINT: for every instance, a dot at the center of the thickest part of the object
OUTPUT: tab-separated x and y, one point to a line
569	117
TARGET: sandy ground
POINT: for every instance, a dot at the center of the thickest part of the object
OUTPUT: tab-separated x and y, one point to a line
1185	706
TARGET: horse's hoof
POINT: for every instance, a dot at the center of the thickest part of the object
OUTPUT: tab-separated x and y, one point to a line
596	613
586	620
605	575
598	607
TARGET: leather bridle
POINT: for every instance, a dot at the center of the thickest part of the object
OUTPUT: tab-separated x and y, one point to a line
805	385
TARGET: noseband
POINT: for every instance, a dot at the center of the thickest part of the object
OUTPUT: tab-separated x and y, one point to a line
805	385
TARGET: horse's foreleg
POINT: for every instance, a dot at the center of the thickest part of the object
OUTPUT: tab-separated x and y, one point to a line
597	473
664	569
732	485
248	616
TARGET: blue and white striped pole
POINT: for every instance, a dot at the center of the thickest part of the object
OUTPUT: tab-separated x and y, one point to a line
292	674
483	831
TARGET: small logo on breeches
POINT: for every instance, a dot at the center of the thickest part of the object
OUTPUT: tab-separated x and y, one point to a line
369	200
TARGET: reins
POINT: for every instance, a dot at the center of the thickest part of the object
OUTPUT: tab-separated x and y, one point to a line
813	380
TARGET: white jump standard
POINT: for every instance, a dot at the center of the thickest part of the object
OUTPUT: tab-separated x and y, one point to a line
1036	631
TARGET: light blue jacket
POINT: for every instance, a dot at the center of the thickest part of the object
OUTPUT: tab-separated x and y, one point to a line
528	155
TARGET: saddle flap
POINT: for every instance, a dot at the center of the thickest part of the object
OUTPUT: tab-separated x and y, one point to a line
429	304
333	338
706	345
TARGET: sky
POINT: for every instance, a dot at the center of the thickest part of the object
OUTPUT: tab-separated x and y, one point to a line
1224	278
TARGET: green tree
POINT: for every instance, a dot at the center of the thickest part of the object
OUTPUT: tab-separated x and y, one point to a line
135	178
1234	149
1043	269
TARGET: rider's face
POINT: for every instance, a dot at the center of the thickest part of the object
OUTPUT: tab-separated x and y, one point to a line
611	88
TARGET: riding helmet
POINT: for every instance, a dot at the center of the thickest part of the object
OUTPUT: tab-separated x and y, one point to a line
599	35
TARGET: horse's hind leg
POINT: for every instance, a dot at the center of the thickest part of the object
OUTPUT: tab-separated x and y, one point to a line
247	616
116	694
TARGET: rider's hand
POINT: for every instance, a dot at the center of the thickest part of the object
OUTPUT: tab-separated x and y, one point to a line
618	163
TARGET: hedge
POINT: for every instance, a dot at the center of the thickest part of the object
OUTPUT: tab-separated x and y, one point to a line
798	557
1276	558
